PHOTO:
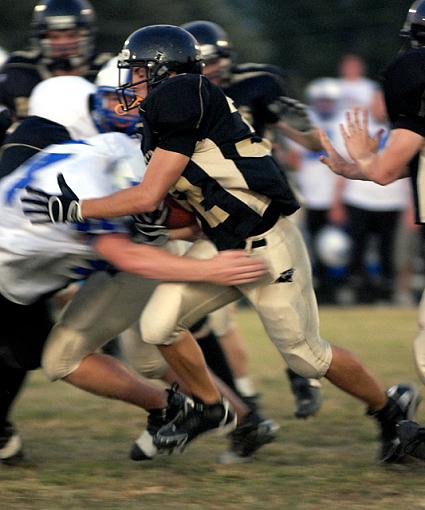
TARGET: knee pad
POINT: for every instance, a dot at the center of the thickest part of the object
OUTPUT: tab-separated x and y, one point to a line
143	357
302	360
159	322
63	353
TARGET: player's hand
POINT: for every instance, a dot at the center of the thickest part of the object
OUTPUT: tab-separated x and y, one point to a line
356	137
295	114
149	228
234	267
42	207
334	161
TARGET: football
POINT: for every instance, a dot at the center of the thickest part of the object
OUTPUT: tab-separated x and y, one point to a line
178	216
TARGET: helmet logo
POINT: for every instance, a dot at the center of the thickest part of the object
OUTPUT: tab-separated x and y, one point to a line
124	55
159	56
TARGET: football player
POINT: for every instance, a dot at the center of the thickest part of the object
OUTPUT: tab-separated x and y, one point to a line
38	261
206	155
404	86
90	165
259	92
62	43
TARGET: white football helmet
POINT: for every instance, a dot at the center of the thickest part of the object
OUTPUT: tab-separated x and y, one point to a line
107	115
333	246
65	100
323	88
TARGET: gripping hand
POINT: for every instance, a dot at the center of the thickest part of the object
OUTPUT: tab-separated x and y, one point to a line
42	207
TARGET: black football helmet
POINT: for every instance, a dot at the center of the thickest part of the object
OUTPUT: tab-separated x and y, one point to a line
212	39
160	50
64	15
414	27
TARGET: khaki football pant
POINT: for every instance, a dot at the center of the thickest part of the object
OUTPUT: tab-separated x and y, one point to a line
103	307
284	300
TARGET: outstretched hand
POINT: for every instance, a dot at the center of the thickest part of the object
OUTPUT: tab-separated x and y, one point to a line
334	161
42	207
360	145
235	267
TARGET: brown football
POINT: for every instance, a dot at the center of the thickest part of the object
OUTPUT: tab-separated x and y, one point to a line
178	216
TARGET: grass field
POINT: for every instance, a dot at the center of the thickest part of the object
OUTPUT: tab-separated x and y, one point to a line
78	444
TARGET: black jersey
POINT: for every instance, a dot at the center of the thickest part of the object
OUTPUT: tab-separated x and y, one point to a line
404	87
255	89
231	181
31	136
24	70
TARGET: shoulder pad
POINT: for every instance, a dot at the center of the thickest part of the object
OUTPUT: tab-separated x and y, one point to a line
404	84
102	58
250	67
181	100
23	57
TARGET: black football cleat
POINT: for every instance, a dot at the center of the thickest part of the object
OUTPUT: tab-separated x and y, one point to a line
193	421
306	393
250	435
144	447
412	439
403	400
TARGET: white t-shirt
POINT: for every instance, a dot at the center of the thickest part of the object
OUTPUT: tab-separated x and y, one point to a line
38	259
356	93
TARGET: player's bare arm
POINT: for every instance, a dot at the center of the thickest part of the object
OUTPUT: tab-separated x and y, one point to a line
232	267
163	170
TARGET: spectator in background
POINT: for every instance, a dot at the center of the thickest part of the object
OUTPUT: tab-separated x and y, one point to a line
316	182
374	211
356	89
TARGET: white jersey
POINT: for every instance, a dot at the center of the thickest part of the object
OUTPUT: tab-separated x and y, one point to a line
315	181
36	260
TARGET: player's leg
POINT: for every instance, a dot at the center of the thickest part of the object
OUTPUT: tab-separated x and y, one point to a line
289	313
24	331
419	342
104	307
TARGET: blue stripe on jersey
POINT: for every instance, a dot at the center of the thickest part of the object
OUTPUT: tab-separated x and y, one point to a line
31	169
97	226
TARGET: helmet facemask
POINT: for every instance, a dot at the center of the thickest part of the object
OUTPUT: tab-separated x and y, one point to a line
155	73
109	115
68	55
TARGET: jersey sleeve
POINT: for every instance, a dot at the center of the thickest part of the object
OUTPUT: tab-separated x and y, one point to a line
268	101
175	111
404	87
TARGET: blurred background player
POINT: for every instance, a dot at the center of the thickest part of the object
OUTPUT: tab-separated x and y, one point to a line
259	92
62	43
317	184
